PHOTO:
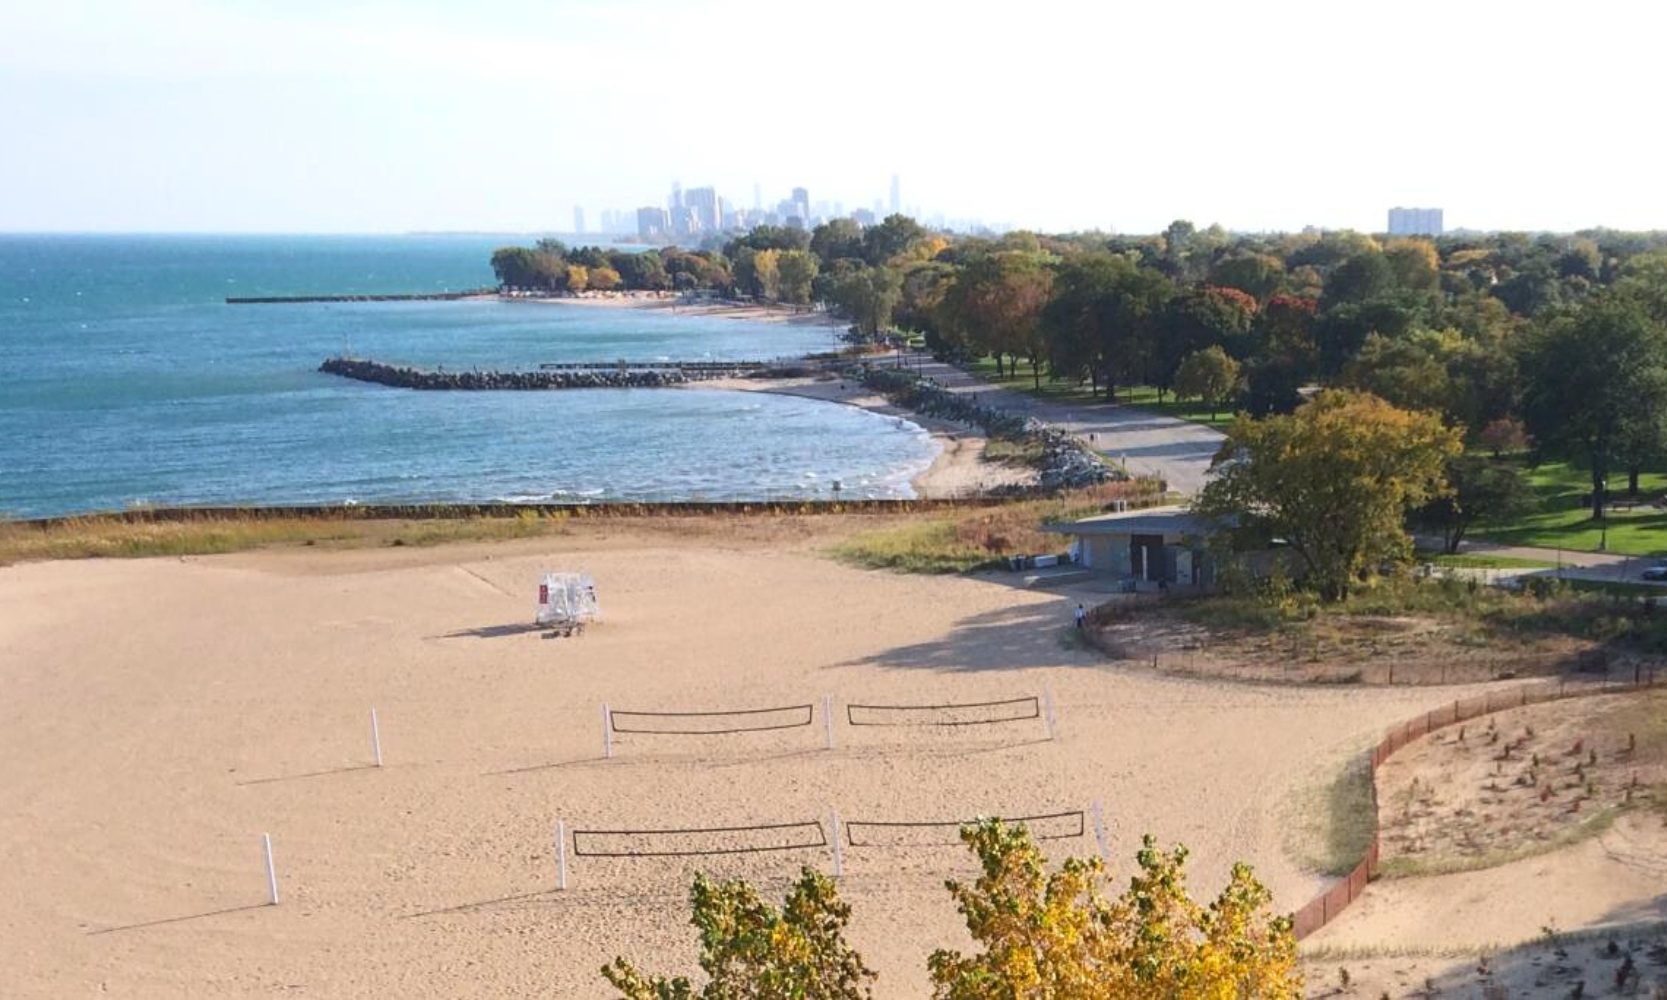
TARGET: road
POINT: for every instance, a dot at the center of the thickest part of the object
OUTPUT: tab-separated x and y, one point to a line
1150	444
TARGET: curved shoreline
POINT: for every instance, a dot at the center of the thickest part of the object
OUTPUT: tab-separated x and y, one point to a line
958	470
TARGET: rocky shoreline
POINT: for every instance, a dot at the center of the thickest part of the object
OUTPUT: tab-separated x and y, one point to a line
1067	463
404	377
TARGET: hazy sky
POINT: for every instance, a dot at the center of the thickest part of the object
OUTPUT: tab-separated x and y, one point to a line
307	116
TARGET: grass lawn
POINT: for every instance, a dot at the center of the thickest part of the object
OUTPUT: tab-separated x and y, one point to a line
1483	560
1071	391
1558	521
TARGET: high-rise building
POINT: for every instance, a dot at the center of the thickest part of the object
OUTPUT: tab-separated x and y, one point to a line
703	203
578	220
863	217
801	198
896	196
653	223
1415	222
676	200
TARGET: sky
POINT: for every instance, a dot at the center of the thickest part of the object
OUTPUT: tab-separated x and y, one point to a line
308	116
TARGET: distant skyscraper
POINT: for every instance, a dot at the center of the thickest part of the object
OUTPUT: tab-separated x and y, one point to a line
863	217
578	220
676	200
653	223
896	196
1415	222
703	202
801	198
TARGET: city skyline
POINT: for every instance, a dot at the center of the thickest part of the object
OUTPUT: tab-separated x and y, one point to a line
190	115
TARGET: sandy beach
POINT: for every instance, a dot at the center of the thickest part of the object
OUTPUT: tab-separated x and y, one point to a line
675	303
163	714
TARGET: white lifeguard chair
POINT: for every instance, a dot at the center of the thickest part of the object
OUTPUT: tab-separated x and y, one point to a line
567	602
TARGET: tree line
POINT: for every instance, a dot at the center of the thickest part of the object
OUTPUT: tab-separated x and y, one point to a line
1558	342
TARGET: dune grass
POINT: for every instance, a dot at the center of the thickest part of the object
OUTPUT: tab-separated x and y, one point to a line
115	538
966	540
1333	821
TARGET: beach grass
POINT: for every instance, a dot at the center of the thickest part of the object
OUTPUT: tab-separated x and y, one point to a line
970	539
1334	820
116	538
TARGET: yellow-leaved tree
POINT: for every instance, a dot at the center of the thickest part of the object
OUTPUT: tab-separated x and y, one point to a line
749	949
1334	480
1057	937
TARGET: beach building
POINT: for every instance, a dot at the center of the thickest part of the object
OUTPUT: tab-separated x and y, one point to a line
1157	546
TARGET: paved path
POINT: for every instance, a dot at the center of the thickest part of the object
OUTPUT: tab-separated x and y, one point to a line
1148	443
1609	567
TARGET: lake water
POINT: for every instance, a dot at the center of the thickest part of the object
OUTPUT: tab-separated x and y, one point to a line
125	379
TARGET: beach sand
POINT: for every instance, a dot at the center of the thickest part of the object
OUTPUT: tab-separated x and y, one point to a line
162	714
675	304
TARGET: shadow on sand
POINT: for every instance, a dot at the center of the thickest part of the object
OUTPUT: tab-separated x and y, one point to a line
310	774
180	920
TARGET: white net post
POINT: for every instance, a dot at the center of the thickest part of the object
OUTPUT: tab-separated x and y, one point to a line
561	855
607	733
376	737
1047	712
838	855
827	720
271	872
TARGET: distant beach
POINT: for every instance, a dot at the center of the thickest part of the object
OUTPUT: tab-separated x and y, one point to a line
679	306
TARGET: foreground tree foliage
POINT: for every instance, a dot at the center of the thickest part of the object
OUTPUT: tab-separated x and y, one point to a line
751	950
1056	936
1334	480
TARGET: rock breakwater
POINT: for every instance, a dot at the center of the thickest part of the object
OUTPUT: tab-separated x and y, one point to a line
404	377
1066	462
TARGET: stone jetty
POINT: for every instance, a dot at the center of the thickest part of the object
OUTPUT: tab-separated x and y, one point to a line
620	377
279	300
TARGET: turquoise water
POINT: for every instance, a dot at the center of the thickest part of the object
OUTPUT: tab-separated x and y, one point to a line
125	379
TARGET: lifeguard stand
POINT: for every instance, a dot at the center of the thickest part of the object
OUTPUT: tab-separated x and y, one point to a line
567	602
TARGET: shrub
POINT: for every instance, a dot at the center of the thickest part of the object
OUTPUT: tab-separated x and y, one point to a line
750	949
1057	937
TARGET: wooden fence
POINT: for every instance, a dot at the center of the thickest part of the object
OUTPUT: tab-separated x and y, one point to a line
1325	907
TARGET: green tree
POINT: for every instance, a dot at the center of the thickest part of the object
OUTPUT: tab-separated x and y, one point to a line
869	295
890	237
1257	274
1334	479
1482	491
516	267
1055	936
796	270
1209	375
996	305
749	950
836	239
1401	371
1595	384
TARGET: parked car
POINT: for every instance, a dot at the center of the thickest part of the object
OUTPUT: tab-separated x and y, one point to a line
1656	572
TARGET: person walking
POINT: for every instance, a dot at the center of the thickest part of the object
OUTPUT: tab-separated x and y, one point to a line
1080	615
